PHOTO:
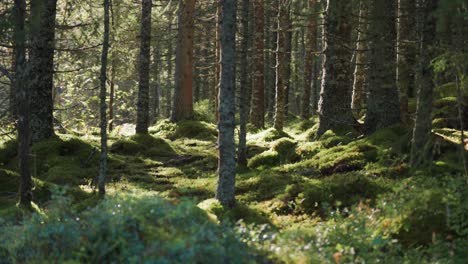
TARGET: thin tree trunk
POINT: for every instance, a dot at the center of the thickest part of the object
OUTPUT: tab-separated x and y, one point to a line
421	143
243	106
225	192
112	95
169	82
360	78
335	97
311	41
102	99
183	94
156	83
142	121
383	106
257	116
405	51
287	56
22	97
42	21
281	65
218	55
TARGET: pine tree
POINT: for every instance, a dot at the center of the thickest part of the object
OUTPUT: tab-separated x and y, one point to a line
225	192
257	116
142	121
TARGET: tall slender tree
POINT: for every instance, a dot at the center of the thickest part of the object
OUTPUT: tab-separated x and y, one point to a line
257	116
225	192
405	52
360	74
335	96
22	98
183	98
383	106
421	142
102	99
142	121
311	41
42	44
281	64
243	98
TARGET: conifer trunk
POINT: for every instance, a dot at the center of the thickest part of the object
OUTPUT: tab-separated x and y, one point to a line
243	105
311	40
183	95
102	99
225	192
142	121
257	116
421	142
383	106
281	65
43	13
335	96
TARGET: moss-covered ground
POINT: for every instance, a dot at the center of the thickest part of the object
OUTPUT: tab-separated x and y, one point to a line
340	198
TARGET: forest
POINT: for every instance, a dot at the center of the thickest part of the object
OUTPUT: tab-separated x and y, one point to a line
233	131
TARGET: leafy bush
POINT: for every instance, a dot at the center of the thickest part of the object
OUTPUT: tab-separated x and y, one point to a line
124	228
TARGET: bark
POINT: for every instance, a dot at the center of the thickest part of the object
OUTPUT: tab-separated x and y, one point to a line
169	69
360	78
183	98
225	192
421	143
112	95
243	105
156	83
142	121
102	99
383	106
335	96
311	41
217	55
257	116
287	56
405	53
43	13
22	98
281	65
269	60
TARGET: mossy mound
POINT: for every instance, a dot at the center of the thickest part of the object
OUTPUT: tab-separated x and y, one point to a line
266	158
446	109
9	181
240	212
8	151
65	160
185	129
144	145
282	151
268	135
263	185
308	149
340	190
331	139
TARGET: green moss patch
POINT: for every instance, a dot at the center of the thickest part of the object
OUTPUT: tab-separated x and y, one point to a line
239	212
144	145
185	129
8	151
268	135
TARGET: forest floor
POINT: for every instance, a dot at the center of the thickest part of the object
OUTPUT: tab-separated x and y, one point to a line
340	199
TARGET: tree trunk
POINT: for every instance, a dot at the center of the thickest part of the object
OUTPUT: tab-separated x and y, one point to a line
383	106
421	142
311	40
169	56
405	53
142	121
102	99
217	55
281	65
183	97
112	95
360	78
41	56
225	192
156	83
287	56
22	98
243	105
257	116
335	96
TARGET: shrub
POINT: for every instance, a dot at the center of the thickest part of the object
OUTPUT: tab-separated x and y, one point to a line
124	228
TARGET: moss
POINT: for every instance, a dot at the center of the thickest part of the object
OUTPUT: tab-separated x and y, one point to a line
9	181
145	145
331	139
266	158
269	135
308	150
8	151
185	129
286	149
240	212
